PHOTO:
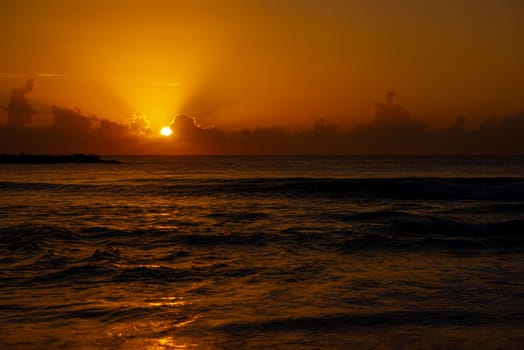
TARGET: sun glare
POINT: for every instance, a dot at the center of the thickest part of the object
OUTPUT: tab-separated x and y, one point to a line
166	131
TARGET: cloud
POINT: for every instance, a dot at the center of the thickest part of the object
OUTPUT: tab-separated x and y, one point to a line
74	132
9	75
188	130
140	124
19	112
169	83
71	131
49	75
70	120
391	130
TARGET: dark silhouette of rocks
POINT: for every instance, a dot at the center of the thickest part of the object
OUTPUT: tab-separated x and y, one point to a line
53	159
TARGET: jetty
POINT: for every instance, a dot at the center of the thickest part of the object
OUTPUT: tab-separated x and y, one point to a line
54	159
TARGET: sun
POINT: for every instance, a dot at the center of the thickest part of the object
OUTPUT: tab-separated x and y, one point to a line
166	131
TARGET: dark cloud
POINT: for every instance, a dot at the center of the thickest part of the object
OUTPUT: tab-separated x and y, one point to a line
140	125
189	130
391	131
70	120
394	117
19	112
71	131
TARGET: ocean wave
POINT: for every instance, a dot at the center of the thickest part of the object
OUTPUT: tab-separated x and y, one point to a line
397	188
420	225
42	186
54	247
371	243
384	319
105	313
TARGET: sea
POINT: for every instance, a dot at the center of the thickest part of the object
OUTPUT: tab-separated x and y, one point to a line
254	252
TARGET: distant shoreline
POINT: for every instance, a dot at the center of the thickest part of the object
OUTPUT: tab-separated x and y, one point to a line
53	159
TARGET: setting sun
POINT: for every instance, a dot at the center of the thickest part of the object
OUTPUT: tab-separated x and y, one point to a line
166	131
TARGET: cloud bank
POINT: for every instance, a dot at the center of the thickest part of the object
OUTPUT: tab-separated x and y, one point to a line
391	131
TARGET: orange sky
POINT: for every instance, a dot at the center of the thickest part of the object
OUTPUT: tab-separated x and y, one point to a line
238	64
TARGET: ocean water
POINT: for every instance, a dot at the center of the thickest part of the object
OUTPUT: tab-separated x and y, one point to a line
263	252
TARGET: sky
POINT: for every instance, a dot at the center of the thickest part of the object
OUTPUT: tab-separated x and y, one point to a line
247	64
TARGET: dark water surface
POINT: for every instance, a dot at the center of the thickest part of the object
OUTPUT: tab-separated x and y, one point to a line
263	252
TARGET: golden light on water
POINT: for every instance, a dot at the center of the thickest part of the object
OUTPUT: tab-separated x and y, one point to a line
166	131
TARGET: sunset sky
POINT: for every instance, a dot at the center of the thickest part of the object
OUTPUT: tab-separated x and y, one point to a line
238	64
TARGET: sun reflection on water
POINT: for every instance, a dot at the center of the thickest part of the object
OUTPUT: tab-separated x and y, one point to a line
170	342
165	301
167	343
149	335
149	322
